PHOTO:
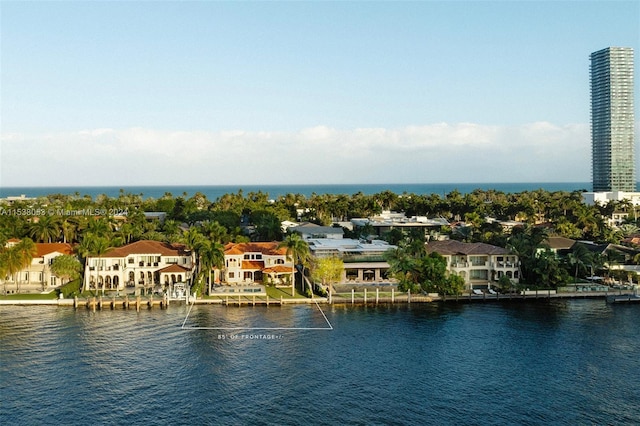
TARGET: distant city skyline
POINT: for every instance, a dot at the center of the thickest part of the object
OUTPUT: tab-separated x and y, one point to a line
217	93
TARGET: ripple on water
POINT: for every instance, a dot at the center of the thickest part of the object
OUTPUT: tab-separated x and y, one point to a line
536	363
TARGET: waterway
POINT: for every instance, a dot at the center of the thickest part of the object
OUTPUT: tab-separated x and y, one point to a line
499	363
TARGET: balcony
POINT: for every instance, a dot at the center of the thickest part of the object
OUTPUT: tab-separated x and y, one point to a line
360	258
503	265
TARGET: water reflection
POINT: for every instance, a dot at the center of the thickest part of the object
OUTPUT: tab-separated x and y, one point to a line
562	362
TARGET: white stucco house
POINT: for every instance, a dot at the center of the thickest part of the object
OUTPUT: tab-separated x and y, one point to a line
142	267
479	264
37	277
255	263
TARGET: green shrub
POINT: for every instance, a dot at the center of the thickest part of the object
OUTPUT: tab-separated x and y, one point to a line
70	289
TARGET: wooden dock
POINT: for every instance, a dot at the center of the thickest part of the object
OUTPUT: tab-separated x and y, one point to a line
100	303
625	298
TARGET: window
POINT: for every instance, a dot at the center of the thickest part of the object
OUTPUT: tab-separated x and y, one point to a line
232	275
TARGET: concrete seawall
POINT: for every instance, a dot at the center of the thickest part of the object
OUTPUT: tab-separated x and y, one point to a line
137	303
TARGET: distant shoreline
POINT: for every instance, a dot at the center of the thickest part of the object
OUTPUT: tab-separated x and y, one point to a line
214	191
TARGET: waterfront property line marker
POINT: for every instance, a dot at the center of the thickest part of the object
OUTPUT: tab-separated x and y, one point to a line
329	326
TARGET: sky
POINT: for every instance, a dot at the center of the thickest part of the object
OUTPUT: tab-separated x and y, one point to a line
225	93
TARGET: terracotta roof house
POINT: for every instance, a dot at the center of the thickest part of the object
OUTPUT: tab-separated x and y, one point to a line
633	240
37	277
140	267
256	262
478	263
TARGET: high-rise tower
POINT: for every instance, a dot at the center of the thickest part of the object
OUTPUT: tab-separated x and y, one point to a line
612	120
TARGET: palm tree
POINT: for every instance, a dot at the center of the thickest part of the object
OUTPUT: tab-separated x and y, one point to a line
211	255
46	229
126	232
547	267
268	227
525	244
171	229
298	249
194	241
19	257
579	257
69	230
11	262
404	267
99	227
629	229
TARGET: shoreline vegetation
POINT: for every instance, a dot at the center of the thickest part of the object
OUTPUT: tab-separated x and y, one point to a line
94	225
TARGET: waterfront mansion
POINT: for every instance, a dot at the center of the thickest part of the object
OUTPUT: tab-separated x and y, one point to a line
144	266
255	262
479	264
37	277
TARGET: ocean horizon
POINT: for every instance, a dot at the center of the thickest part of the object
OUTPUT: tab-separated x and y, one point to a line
212	192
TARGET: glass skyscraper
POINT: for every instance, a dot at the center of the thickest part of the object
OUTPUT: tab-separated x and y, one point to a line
612	120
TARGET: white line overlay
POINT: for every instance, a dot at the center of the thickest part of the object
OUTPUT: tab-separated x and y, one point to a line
329	326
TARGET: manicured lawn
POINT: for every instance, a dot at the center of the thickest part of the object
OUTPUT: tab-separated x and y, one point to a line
285	293
272	292
49	296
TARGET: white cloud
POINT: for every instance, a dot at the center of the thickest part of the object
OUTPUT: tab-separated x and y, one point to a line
442	152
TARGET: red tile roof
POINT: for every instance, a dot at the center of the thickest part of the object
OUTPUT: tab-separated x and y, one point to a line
277	269
270	248
47	248
252	264
174	268
148	247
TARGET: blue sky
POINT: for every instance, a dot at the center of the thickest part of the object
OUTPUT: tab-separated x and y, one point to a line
126	93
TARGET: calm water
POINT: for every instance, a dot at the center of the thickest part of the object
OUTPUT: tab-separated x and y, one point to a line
569	362
214	191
